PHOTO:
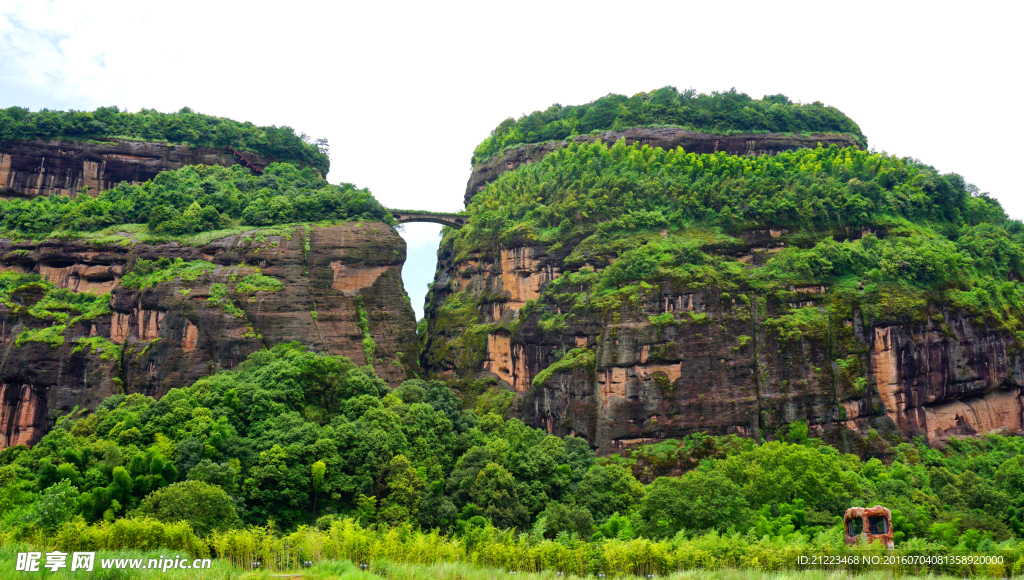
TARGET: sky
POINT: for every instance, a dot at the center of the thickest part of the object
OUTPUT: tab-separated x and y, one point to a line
405	91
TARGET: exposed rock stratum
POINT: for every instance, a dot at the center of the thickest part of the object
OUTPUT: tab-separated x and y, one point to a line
171	334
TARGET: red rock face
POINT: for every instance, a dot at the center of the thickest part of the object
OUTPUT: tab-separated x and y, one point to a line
935	386
22	415
666	138
38	167
719	368
171	334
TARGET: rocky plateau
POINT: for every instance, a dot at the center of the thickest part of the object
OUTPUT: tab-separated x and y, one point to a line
716	367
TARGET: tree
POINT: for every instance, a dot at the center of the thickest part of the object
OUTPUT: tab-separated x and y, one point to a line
366	509
436	509
162	218
431	438
494	490
607	489
602	113
279	209
318	470
697	501
224	474
1010	478
151	470
56	505
404	490
616	527
558	518
275	489
777	473
16	487
203	506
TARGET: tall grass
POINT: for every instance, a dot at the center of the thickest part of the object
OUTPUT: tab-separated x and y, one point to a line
345	570
491	548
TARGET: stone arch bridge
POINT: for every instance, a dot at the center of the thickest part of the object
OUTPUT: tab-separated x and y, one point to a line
454	220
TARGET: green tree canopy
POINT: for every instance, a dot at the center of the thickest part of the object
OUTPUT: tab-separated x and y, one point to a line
198	198
720	112
184	126
607	489
204	506
697	501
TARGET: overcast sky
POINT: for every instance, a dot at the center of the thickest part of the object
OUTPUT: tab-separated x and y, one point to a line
405	91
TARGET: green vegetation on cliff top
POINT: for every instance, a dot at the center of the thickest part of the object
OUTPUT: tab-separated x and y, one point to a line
195	199
719	113
185	126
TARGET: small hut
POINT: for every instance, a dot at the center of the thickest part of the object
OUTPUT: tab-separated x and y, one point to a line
870	524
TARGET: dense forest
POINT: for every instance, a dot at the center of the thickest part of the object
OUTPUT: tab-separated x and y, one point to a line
185	126
196	199
300	438
720	112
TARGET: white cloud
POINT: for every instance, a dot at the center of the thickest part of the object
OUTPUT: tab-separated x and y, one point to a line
418	235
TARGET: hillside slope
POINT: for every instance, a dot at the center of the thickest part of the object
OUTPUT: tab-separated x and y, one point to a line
667	138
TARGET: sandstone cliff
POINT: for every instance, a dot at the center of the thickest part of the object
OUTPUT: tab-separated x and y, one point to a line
676	360
335	288
666	138
31	168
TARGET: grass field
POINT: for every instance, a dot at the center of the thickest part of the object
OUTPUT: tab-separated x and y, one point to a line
344	570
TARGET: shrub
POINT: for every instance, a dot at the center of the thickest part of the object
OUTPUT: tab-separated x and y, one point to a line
204	506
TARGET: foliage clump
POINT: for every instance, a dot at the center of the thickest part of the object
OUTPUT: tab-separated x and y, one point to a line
588	189
196	199
258	282
574	359
298	437
288	428
720	112
184	126
98	345
148	273
206	507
